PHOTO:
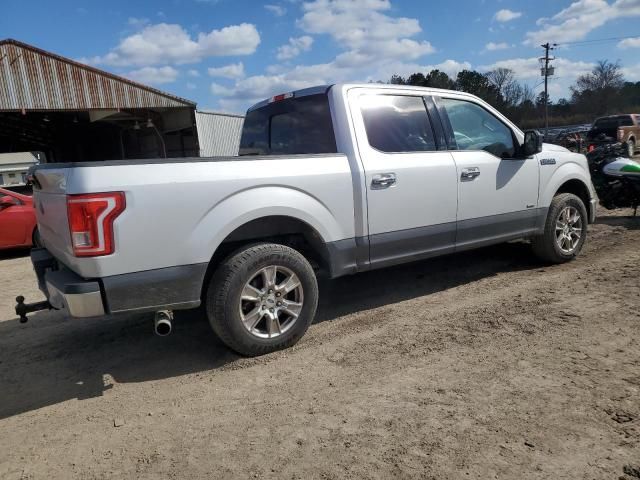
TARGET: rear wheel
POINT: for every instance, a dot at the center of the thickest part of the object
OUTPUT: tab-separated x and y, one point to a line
35	239
631	145
565	230
262	298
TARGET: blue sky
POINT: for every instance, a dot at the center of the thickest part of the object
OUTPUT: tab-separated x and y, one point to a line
227	54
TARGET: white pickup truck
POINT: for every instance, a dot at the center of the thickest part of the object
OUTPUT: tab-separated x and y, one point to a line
341	178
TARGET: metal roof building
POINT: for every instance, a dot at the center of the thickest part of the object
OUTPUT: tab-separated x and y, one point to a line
219	133
75	112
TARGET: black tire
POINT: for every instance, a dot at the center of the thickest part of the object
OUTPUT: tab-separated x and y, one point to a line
223	297
35	239
545	246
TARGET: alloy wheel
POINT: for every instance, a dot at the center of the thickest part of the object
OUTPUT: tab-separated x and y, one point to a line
271	301
568	230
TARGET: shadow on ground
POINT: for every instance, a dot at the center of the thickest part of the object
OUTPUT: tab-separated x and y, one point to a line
52	359
630	222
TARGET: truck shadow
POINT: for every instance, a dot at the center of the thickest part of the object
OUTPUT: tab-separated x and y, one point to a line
53	359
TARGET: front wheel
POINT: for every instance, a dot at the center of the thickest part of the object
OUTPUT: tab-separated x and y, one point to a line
262	298
631	146
565	230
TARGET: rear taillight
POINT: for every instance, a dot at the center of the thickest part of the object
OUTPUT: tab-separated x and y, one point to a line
591	148
91	222
620	135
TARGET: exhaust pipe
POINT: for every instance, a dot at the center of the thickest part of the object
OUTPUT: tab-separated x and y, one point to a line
162	323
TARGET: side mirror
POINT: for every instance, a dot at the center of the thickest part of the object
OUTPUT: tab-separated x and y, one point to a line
7	201
532	143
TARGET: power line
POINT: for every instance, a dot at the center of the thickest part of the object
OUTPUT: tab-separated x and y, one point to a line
596	40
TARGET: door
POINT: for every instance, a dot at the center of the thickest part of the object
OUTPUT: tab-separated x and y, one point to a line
411	185
12	224
497	193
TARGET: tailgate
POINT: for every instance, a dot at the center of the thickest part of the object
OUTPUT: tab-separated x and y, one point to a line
50	203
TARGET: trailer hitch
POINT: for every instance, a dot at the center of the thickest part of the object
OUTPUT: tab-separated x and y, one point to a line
22	309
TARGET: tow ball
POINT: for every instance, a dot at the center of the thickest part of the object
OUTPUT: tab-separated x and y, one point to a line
22	309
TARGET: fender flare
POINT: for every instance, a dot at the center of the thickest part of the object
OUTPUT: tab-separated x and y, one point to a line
565	173
258	202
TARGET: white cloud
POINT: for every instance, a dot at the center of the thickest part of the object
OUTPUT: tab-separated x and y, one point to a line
632	73
234	70
192	72
138	22
154	75
191	86
170	43
629	43
294	47
372	44
363	30
220	90
491	46
581	17
506	15
277	10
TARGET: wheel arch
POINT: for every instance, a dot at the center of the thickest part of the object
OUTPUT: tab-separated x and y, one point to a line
579	189
568	178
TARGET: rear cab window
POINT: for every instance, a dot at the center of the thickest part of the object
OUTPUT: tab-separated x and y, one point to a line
613	122
397	123
291	126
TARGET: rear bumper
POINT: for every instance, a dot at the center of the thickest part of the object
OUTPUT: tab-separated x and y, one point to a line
172	288
64	289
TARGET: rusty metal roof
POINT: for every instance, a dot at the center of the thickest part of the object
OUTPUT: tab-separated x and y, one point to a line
34	79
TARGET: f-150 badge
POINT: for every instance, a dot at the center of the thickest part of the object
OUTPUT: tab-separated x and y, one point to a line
547	161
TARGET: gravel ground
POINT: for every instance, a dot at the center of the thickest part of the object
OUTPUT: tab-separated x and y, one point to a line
481	365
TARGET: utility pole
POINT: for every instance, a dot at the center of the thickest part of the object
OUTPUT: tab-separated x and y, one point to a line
546	72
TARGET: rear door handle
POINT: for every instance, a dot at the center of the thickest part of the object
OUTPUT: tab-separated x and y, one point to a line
470	173
383	180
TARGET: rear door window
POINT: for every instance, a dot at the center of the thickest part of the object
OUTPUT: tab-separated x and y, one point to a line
293	126
397	123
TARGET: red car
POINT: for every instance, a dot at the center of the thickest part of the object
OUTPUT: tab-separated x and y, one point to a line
17	220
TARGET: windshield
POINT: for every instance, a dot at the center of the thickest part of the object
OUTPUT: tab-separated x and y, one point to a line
291	126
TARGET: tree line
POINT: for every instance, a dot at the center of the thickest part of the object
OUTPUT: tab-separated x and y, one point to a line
603	91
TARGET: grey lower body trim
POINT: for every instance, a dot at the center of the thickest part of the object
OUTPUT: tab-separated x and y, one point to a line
170	288
348	256
402	246
382	250
483	231
173	288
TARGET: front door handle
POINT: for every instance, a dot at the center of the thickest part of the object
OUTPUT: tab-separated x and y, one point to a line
383	180
470	173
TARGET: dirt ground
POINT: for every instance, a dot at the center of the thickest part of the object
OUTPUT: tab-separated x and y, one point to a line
481	365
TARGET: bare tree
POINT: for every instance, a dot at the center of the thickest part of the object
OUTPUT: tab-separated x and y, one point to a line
527	95
604	75
504	80
501	77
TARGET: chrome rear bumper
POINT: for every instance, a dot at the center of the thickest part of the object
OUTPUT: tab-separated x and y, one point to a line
65	289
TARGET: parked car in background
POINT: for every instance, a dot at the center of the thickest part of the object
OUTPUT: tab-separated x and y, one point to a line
17	220
14	167
616	128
